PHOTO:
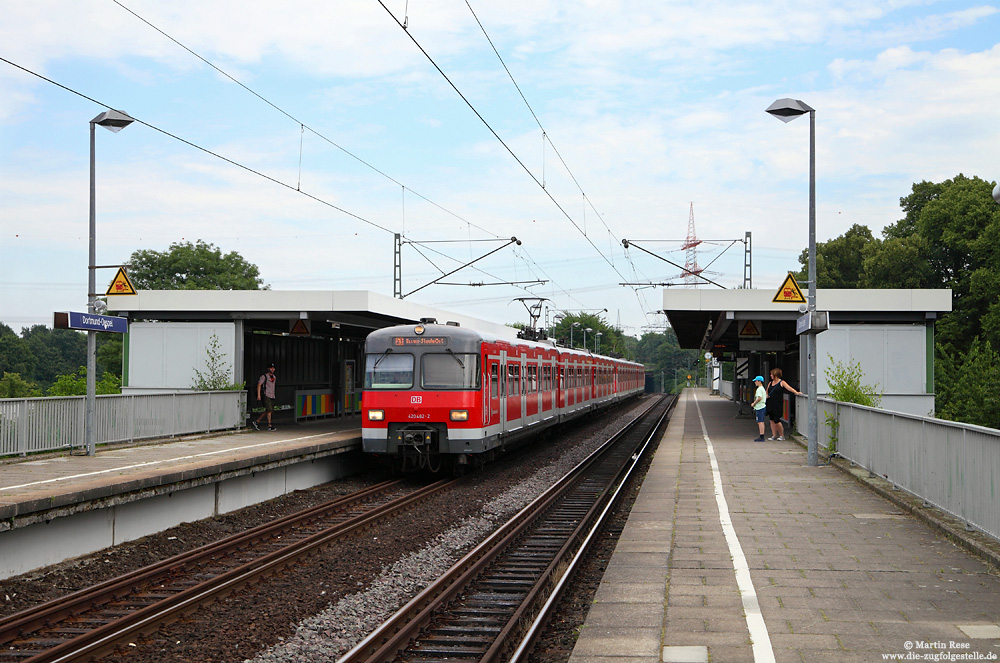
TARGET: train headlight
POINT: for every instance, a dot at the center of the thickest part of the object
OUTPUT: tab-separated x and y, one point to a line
459	415
376	415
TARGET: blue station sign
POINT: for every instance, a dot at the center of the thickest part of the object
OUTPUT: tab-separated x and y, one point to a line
91	322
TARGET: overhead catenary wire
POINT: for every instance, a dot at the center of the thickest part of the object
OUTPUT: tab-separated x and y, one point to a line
404	25
304	127
301	123
489	127
200	148
219	156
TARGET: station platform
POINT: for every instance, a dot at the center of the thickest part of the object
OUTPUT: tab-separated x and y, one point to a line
57	505
739	551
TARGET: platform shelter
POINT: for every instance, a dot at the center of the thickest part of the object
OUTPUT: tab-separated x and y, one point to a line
889	333
315	339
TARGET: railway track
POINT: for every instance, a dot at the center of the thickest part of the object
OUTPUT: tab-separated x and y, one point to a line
493	602
93	622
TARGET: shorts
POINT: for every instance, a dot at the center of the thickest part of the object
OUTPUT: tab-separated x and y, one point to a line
760	415
268	404
774	416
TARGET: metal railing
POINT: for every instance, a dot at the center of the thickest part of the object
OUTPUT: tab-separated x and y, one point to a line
30	425
953	466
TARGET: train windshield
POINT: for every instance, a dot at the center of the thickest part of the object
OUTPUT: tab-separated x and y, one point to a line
449	370
388	370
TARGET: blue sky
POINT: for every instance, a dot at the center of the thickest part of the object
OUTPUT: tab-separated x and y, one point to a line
654	107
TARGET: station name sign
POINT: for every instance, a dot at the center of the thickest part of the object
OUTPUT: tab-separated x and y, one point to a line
410	341
90	322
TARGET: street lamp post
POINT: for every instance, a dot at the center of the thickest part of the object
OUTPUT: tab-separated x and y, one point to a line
113	121
597	342
585	330
787	110
571	328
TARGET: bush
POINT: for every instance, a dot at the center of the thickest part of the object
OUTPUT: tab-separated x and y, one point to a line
216	377
12	385
845	385
75	384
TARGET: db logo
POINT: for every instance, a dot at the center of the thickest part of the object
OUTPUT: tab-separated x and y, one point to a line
416	399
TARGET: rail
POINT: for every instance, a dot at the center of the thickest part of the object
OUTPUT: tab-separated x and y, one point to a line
953	466
92	623
31	425
477	610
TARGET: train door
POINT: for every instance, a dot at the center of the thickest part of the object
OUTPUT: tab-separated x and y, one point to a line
492	390
502	398
515	399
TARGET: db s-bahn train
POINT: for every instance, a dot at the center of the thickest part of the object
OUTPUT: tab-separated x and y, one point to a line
442	396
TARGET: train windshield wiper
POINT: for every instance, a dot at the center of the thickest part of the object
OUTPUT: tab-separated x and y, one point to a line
384	355
452	353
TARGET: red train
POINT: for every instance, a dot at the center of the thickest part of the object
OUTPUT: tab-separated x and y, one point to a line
445	396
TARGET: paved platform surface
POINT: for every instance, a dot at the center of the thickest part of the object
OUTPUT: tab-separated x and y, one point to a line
738	551
38	484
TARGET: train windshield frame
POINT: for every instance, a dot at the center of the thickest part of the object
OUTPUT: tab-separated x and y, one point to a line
389	370
450	371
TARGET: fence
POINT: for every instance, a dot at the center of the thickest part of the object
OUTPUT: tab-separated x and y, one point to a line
29	425
953	466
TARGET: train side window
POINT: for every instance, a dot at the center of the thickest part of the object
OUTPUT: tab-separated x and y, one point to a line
494	381
450	371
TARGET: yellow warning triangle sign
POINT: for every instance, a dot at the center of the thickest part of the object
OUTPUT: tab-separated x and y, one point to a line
750	329
300	328
121	285
789	292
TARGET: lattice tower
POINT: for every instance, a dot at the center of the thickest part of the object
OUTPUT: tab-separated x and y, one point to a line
691	268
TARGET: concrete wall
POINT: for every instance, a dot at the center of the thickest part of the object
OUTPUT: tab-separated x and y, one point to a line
893	359
27	548
164	355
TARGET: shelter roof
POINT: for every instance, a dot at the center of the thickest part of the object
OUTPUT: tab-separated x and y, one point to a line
360	309
713	319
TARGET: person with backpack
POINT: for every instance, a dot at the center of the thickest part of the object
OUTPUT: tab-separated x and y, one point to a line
266	382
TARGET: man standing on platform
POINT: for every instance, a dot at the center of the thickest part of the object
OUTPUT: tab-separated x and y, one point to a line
267	382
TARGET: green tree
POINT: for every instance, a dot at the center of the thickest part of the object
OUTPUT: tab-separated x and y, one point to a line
898	262
12	385
109	354
57	352
75	384
15	355
838	261
960	223
966	385
187	266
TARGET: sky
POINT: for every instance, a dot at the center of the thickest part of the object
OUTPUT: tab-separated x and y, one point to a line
305	135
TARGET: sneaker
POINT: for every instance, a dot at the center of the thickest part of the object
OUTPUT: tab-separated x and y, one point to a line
759	439
254	424
781	438
772	439
273	428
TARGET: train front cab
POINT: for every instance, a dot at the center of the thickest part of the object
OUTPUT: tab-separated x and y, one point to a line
423	394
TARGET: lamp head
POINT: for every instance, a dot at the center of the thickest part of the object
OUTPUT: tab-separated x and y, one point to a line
996	193
113	120
787	109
